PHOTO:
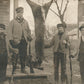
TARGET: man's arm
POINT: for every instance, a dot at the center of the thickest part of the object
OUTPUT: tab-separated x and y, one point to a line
10	30
50	44
67	41
10	37
27	32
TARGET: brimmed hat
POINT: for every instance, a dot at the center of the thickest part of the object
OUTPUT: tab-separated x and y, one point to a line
19	9
61	25
82	26
2	26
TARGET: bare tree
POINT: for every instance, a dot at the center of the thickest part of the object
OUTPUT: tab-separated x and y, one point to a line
60	14
40	13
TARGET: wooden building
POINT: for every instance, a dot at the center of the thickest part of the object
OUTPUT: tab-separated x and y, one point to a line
5	10
81	12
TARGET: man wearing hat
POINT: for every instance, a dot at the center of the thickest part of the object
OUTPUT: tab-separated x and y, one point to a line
60	43
19	34
81	53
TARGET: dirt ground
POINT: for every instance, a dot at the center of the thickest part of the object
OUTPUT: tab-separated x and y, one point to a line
75	67
48	68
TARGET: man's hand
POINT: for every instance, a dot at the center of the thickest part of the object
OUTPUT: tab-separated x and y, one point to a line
64	42
71	56
30	39
15	50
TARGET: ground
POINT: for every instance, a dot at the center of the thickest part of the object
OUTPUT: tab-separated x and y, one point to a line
75	66
49	70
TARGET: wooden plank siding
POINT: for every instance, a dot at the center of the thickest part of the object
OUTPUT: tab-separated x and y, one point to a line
4	12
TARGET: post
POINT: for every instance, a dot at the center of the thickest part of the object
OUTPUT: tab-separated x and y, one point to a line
15	6
78	18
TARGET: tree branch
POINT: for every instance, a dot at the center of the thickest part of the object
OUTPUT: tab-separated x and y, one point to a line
54	12
61	5
57	7
65	8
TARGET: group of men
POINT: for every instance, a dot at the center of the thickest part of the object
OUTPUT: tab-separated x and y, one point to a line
19	34
61	44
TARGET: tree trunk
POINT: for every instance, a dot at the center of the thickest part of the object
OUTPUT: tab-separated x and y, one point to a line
62	20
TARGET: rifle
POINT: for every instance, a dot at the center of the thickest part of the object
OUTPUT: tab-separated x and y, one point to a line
66	77
70	67
30	60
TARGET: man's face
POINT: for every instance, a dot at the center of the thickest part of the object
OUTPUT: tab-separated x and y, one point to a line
60	29
20	14
82	31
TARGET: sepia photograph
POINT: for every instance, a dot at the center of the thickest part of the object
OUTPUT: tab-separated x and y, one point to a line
41	41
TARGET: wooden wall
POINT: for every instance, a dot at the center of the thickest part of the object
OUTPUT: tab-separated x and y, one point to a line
81	10
4	11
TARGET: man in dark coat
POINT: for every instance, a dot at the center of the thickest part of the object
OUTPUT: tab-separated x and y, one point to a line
3	53
60	43
19	34
81	53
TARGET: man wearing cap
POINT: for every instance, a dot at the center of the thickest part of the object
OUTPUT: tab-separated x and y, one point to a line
19	34
81	53
60	43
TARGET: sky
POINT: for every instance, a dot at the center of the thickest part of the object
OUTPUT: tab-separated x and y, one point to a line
71	15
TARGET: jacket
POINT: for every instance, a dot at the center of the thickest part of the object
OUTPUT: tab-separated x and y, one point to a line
55	43
16	30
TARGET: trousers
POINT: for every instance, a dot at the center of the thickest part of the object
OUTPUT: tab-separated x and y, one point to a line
81	64
59	58
22	54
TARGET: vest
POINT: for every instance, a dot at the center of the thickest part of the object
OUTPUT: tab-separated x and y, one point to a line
59	46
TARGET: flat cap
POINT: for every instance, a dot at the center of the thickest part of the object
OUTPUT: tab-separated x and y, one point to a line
61	25
19	9
82	26
2	26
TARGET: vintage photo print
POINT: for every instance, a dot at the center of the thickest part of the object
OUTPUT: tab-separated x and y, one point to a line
41	41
